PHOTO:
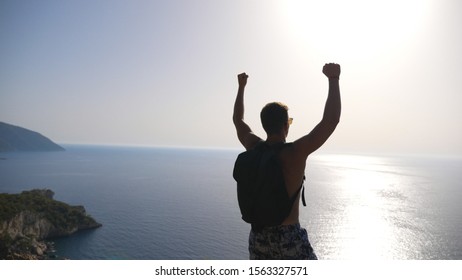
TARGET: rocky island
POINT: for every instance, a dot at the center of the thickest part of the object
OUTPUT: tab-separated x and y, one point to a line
29	218
15	138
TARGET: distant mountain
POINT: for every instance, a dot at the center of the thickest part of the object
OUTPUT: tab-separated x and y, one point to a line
15	138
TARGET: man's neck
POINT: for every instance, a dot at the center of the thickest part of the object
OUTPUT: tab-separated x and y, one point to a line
275	138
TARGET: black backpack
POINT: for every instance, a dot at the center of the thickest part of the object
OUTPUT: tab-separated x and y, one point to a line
261	190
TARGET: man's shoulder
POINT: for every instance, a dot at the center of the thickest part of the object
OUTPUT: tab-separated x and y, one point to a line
287	146
290	154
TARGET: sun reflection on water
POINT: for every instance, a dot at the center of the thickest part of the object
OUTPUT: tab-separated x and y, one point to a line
373	215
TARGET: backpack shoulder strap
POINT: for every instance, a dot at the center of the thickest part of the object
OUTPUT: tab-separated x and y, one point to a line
302	189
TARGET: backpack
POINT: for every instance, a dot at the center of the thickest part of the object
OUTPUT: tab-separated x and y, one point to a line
261	190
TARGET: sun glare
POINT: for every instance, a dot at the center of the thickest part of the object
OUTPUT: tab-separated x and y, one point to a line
356	28
366	230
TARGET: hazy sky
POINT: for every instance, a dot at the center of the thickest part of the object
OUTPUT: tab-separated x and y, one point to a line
164	72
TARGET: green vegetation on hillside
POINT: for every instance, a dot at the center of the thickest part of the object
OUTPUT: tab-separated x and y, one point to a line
20	238
60	214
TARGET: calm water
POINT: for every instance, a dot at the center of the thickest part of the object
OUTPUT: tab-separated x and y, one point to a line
159	203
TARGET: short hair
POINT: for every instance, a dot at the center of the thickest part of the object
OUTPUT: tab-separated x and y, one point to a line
273	117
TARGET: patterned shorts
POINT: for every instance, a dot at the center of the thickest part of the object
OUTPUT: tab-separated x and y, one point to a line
285	242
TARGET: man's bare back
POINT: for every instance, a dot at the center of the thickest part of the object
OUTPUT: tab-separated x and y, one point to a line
293	171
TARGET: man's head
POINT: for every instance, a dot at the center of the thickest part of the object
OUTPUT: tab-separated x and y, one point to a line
274	118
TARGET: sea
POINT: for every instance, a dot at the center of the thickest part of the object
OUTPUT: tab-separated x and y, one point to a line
181	203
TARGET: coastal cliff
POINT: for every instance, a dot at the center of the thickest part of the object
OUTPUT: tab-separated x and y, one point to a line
29	218
15	138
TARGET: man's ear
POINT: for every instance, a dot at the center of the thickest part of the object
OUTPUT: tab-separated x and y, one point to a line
286	128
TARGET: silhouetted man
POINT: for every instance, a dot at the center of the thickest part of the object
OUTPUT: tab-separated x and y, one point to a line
288	240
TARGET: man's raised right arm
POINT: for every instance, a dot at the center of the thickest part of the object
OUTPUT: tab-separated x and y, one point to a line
331	117
247	138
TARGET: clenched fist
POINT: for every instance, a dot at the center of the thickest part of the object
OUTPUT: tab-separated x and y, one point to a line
331	70
242	79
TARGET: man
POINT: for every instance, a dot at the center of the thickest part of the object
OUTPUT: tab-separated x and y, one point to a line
289	240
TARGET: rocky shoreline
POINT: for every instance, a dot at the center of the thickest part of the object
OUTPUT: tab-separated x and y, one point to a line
28	221
33	250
